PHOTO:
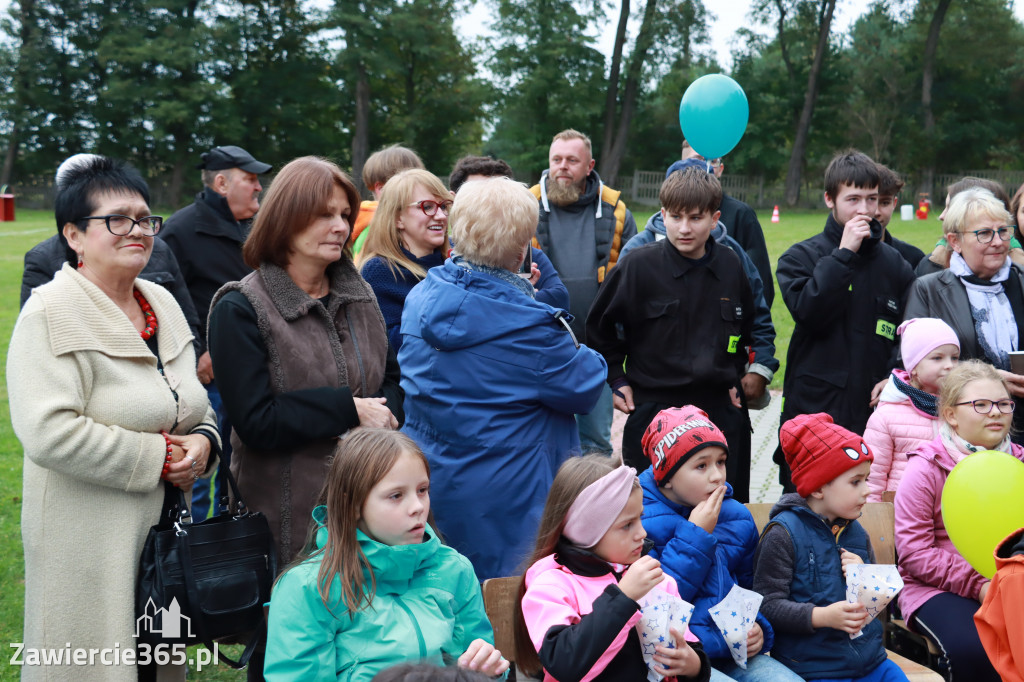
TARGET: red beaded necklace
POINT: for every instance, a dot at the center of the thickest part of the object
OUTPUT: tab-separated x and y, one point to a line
147	311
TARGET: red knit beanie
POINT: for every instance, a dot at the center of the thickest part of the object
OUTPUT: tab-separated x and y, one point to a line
818	450
677	434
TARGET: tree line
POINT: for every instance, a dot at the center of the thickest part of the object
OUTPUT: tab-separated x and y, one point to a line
927	86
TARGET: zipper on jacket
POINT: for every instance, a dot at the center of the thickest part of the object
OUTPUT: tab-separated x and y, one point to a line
415	627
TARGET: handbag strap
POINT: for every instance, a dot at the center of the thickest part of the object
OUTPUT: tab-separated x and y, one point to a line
175	509
224	473
192	593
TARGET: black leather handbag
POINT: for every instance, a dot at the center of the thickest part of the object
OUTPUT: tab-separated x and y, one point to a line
206	581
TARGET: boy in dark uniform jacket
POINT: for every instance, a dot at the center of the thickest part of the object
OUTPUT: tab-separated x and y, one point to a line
679	313
846	290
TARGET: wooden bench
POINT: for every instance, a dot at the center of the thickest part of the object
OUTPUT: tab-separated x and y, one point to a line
896	628
500	604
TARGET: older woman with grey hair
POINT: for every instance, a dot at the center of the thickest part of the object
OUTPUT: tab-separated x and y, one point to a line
492	379
981	295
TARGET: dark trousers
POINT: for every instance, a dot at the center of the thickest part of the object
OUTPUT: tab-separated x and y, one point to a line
734	423
785	475
948	620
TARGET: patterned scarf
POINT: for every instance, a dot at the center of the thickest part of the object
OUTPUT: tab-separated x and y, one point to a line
990	308
922	400
504	275
959	449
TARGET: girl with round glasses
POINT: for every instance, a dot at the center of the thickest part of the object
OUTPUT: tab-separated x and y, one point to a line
981	295
942	591
408	235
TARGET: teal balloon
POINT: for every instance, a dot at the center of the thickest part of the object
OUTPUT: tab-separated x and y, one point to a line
981	505
713	115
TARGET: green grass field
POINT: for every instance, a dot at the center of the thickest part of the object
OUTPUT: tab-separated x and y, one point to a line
32	227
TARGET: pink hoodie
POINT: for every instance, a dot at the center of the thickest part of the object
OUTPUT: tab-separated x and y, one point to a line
895	428
928	561
556	596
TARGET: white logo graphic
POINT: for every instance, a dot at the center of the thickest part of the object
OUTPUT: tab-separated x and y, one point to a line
170	621
670	438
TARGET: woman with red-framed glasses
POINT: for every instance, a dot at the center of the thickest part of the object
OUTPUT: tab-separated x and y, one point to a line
408	235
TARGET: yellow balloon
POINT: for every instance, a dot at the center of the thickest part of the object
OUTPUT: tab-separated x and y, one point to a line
982	503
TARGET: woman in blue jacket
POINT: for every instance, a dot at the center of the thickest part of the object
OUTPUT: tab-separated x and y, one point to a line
492	380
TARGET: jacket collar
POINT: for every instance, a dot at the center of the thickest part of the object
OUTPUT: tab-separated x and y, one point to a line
797	504
591	192
834	233
432	259
650	486
655	224
292	302
81	317
680	265
220	221
585	563
935	452
1012	546
391	563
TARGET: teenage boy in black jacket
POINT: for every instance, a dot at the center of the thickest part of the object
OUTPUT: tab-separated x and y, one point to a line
846	290
685	311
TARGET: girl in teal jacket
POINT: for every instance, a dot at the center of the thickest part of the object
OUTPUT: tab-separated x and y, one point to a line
376	588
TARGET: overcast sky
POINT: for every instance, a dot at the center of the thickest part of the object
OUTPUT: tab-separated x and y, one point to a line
730	16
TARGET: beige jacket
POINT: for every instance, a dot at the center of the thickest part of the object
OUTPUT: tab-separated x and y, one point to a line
88	405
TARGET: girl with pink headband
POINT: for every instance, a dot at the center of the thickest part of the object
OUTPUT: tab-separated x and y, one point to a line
578	600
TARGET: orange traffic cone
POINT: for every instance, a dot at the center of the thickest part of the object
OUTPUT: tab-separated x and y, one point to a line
775	214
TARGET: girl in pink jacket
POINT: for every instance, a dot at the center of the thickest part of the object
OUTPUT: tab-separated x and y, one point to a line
578	600
942	591
906	415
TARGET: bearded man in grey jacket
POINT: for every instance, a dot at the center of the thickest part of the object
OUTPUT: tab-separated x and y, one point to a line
581	228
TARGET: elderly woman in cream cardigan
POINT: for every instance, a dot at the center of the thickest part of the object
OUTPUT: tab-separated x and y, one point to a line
106	403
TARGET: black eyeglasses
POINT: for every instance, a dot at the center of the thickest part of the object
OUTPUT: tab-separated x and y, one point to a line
984	406
121	225
429	206
985	236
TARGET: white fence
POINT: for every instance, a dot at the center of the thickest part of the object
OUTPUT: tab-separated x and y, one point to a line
642	187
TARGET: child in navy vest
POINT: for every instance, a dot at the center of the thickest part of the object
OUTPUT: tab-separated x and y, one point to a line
801	560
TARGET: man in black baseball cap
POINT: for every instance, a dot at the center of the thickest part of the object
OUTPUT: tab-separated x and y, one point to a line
230	156
206	238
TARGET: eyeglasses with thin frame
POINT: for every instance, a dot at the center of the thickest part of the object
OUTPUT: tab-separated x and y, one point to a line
430	206
987	235
121	225
984	405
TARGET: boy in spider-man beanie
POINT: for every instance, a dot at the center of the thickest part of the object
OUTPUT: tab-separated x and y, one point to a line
675	435
703	537
801	561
